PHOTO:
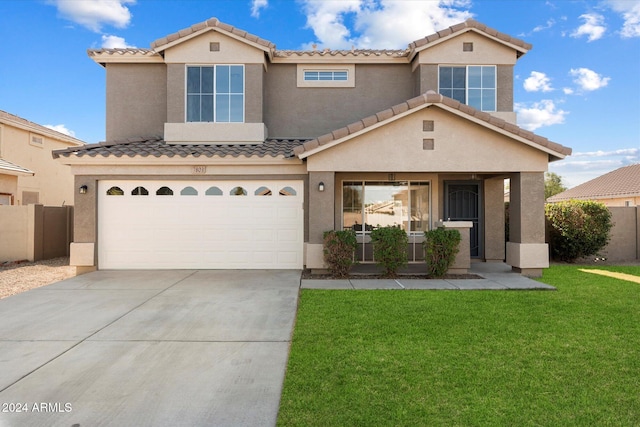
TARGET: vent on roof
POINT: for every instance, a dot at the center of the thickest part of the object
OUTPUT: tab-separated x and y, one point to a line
214	46
427	125
467	47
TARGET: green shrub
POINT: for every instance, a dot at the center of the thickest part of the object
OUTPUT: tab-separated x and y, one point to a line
577	228
339	247
390	249
440	249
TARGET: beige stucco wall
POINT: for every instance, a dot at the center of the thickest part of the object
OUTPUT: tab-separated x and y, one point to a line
625	234
52	181
485	51
460	146
293	112
9	184
621	201
14	233
136	100
197	51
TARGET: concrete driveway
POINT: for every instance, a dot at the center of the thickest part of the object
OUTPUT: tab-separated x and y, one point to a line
155	348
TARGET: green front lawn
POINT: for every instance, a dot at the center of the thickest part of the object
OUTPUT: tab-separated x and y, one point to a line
473	358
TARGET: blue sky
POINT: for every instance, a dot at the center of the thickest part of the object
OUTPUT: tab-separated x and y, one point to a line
579	85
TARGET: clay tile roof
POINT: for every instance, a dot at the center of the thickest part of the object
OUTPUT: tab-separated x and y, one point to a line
623	182
465	26
390	53
145	147
430	97
210	23
120	51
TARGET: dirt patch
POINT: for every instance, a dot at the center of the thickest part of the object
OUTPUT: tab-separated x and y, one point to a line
22	276
614	274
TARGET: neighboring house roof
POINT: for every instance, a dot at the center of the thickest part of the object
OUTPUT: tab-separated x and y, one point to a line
431	98
19	122
8	168
154	54
623	182
156	147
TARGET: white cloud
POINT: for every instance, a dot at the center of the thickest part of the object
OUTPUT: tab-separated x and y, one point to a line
389	24
630	11
584	166
628	153
93	14
593	27
256	6
62	129
537	82
539	114
588	80
113	42
550	23
567	91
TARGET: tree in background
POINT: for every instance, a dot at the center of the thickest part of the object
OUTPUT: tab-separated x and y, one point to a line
553	184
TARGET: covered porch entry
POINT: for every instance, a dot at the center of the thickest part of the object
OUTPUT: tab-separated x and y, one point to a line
427	160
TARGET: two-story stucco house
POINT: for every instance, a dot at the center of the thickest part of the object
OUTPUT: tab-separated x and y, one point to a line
28	175
225	152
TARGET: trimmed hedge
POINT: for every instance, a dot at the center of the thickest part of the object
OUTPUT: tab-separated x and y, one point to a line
440	249
390	249
577	228
339	247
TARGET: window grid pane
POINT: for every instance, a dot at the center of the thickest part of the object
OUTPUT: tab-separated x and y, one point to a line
326	75
215	93
453	83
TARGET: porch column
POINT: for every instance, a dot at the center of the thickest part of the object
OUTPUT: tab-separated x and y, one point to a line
321	215
82	251
494	220
527	252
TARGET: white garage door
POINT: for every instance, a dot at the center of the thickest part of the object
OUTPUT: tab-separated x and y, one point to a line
200	224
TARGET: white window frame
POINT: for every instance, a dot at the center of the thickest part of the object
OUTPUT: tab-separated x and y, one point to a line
466	83
326	75
303	69
215	93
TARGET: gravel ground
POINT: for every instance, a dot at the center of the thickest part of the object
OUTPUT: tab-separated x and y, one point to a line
21	277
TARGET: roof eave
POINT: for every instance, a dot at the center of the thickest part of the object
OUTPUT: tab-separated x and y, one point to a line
103	57
14	172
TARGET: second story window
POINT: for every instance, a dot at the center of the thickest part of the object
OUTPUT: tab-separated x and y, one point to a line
336	76
215	94
473	85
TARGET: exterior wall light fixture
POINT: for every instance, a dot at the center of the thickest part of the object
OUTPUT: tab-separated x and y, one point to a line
83	189
321	186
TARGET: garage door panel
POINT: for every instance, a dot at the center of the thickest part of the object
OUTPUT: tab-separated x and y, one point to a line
196	230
